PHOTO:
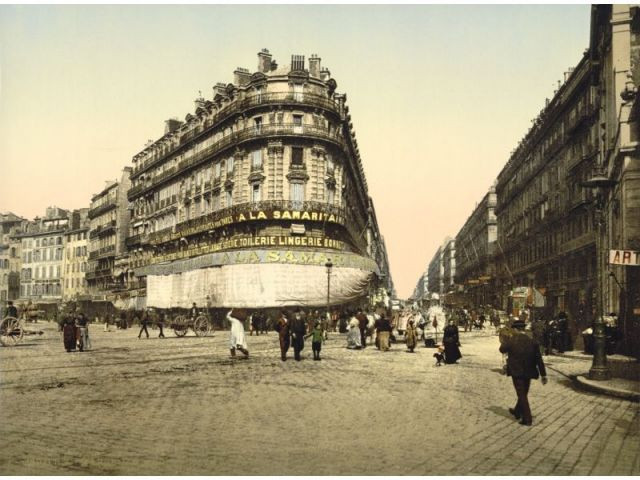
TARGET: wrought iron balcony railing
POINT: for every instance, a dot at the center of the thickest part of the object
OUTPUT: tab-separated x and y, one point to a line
240	136
239	105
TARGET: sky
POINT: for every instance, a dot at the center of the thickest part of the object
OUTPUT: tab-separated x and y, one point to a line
439	95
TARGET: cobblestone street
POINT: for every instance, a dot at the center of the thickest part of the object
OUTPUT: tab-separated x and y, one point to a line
182	406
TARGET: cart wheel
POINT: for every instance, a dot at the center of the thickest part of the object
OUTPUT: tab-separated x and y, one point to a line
180	326
202	326
11	331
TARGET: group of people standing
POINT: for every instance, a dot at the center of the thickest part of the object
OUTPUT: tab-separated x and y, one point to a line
75	331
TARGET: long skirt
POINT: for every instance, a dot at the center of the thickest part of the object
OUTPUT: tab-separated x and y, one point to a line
383	341
354	340
69	337
451	351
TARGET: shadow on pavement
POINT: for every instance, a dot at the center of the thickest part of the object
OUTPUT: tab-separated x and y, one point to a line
500	411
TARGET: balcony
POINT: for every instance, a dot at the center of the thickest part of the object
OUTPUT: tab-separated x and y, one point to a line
582	116
107	251
236	138
105	207
136	240
240	105
100	273
102	230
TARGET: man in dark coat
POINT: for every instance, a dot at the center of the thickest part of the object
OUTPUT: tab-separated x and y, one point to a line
362	325
282	327
524	362
298	329
12	311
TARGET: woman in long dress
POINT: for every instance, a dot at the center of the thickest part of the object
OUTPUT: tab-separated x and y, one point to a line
451	342
411	335
354	340
237	339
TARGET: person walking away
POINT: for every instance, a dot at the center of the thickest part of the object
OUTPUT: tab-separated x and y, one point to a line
451	343
537	330
524	362
411	335
317	338
562	329
298	330
83	332
237	338
354	339
282	327
144	321
383	330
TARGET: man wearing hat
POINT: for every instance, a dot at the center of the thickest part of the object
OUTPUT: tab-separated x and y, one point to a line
524	362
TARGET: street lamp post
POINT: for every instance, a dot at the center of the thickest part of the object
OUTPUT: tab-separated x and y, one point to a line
329	266
600	184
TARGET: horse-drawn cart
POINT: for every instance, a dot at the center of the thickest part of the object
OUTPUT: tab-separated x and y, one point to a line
12	331
201	325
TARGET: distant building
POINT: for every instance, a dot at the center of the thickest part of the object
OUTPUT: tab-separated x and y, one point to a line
74	265
42	246
449	266
475	253
109	217
10	261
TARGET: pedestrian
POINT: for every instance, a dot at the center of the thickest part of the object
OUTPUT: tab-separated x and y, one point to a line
317	338
237	338
298	330
160	319
69	337
451	343
362	325
524	362
411	335
255	323
354	338
144	321
106	322
84	343
282	327
383	330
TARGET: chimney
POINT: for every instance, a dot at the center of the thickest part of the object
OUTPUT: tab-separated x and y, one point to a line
171	125
274	65
241	76
220	89
325	74
200	102
297	63
264	61
314	66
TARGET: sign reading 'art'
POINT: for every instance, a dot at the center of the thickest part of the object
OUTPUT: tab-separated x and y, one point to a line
624	257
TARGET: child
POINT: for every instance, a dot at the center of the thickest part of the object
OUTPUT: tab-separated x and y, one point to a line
317	339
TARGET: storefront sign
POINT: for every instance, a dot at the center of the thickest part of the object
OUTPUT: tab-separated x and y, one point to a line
251	242
284	256
624	257
242	217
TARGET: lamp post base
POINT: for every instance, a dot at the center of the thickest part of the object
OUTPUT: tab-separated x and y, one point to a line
599	373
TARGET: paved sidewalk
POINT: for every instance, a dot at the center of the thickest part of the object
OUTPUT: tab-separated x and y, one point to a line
625	382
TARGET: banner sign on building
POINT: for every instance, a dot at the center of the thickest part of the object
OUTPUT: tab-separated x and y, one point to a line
624	257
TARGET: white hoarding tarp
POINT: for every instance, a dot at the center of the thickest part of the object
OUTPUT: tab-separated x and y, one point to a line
257	286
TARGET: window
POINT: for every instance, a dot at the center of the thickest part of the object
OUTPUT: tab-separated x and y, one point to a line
330	166
216	201
297	124
257	123
331	195
256	160
296	156
229	198
229	166
255	192
216	173
258	94
296	193
298	90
